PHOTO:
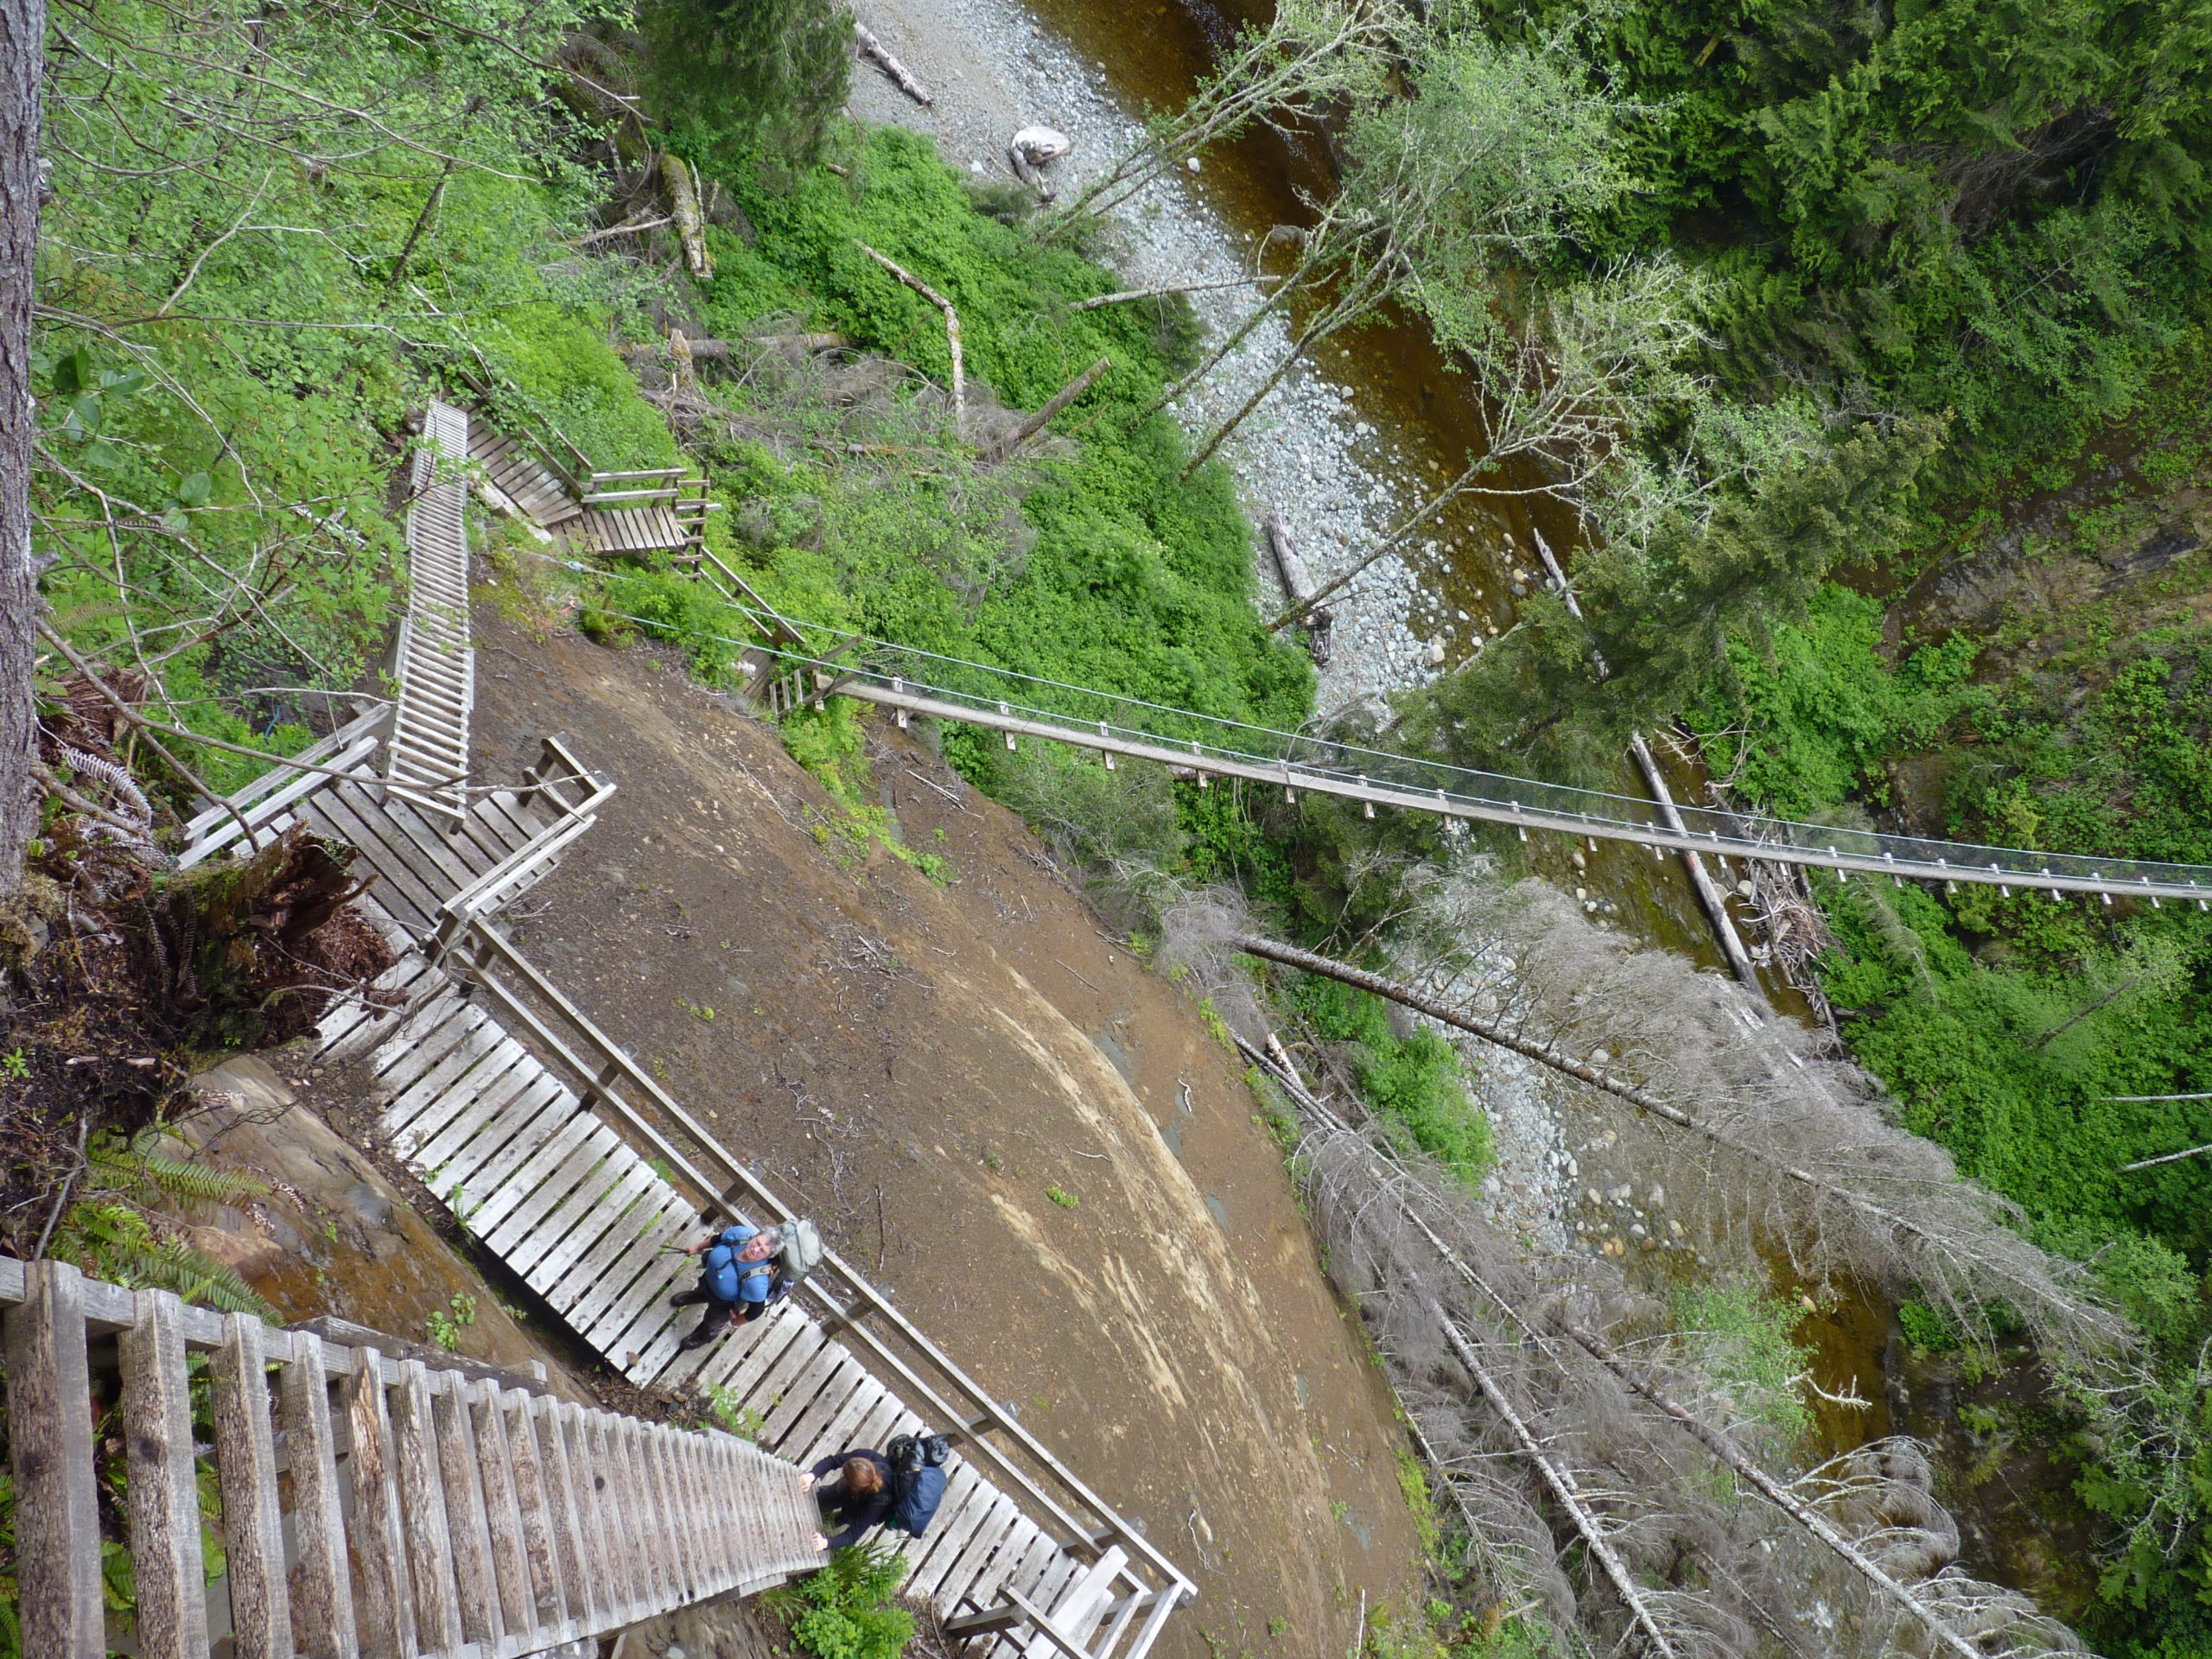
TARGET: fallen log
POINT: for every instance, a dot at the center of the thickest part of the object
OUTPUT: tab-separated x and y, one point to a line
1297	582
1128	294
1564	1489
1060	399
1708	894
690	223
1548	1054
951	330
879	54
1729	1453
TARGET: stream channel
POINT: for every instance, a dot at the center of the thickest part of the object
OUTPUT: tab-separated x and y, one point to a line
1419	423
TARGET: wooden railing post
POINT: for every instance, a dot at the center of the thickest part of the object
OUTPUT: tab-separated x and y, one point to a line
50	1430
246	1464
166	1560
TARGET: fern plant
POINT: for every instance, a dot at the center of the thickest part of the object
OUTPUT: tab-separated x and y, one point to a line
108	1233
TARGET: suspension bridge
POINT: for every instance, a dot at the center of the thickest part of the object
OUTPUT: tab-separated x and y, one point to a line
913	682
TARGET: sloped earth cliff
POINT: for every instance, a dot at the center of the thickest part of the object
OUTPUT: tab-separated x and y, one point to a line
924	1068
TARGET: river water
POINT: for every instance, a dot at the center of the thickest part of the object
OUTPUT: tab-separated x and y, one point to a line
2008	1495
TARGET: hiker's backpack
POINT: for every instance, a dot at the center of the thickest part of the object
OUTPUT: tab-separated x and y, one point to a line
800	1252
917	1480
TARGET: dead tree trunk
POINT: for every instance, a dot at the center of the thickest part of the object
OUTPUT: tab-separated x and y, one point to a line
1768	1487
690	223
22	55
952	333
1708	893
1059	400
1560	1482
1494	1031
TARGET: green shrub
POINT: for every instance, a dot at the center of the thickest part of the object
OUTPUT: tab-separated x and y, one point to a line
1414	1082
848	1610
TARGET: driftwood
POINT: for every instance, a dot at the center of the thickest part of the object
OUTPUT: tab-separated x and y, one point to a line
690	223
879	54
1297	582
1128	294
1030	151
1060	399
951	331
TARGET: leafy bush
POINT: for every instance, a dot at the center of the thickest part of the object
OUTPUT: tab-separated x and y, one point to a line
1413	1081
1741	1338
847	1611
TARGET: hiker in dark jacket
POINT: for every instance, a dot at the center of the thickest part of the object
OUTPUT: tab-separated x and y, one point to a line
738	1283
857	1494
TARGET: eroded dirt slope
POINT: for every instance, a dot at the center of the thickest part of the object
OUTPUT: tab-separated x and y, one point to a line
923	1068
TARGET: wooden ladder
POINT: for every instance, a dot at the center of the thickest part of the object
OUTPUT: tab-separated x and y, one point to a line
370	1505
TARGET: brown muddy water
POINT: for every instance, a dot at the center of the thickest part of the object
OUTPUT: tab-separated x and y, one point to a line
2010	1497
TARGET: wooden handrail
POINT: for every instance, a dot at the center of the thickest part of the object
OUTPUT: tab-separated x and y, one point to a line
512	1522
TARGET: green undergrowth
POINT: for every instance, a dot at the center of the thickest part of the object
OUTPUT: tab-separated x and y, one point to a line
2005	1026
1412	1082
848	1610
1094	565
229	344
1742	1338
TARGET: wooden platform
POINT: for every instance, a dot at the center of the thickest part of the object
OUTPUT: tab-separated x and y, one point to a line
614	532
516	472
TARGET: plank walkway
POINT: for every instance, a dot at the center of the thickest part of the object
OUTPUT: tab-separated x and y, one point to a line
370	1504
517	473
427	758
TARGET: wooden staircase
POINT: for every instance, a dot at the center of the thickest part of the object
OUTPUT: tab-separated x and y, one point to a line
566	1160
427	758
535	468
370	1505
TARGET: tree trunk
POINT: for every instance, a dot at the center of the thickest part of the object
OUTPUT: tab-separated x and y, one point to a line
690	223
22	55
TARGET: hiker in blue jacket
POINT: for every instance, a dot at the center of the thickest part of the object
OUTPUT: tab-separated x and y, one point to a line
738	1283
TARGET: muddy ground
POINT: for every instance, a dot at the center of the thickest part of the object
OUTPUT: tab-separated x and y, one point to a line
924	1068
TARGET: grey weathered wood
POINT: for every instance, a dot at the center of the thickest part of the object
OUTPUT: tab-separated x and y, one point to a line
325	1603
167	1564
245	1467
581	1574
496	1470
533	1505
386	1614
466	1518
619	1520
57	1580
421	1492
